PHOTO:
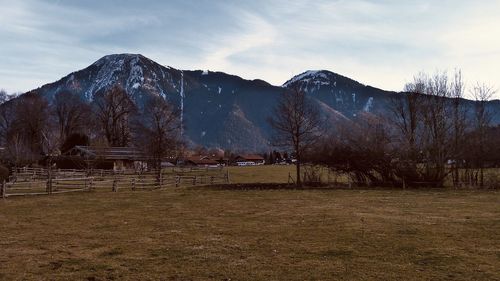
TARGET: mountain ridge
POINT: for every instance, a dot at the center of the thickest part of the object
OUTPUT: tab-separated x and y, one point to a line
217	108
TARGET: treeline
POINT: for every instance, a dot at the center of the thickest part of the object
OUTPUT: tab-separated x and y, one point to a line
33	128
431	137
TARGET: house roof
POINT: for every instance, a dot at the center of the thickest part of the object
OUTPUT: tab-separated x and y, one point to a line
108	153
250	157
201	161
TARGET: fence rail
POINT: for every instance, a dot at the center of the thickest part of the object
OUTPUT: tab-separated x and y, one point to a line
36	181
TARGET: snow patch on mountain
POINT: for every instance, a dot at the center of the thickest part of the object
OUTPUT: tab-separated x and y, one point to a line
136	75
311	75
109	67
368	105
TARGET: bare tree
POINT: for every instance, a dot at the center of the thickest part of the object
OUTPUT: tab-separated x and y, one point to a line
51	142
432	122
296	122
3	96
436	128
7	121
32	116
482	118
360	149
158	131
425	121
113	110
11	138
459	125
407	111
73	114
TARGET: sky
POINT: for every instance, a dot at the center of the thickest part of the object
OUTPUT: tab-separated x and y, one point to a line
379	43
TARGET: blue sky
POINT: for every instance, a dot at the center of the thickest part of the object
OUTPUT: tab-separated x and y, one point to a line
380	43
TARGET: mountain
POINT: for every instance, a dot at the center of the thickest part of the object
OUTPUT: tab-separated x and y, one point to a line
341	93
219	109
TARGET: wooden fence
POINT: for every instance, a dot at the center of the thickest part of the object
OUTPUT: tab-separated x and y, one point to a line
63	181
46	187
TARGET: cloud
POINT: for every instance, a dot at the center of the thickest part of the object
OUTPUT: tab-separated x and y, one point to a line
255	33
381	43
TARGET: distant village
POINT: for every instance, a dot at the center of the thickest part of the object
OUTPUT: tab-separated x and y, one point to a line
128	158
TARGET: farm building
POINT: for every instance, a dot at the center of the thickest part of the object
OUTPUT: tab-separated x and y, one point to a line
249	160
116	158
200	161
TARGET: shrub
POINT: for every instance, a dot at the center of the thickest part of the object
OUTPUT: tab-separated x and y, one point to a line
4	173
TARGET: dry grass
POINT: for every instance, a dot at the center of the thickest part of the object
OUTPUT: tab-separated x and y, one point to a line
276	174
197	234
261	174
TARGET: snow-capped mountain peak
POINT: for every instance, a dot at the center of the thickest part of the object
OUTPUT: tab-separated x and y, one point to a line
133	72
316	76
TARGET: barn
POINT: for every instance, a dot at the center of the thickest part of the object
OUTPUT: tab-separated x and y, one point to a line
116	158
249	160
198	161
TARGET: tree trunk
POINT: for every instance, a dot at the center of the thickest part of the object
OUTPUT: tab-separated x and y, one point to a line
297	165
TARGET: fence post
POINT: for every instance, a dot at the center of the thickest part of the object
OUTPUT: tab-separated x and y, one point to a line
177	181
91	182
3	191
49	182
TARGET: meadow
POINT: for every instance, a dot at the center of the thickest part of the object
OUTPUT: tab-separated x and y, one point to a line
199	233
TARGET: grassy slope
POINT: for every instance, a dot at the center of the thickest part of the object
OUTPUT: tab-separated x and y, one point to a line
196	234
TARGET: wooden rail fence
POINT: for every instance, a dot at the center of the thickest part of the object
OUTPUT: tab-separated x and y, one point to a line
63	181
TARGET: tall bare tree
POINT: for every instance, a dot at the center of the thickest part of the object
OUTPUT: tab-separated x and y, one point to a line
158	131
16	149
459	125
296	122
436	127
72	113
407	111
482	118
7	121
32	117
432	121
113	110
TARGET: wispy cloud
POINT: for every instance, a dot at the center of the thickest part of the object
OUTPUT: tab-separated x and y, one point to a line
381	43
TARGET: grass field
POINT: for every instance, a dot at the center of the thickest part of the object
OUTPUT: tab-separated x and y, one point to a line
202	234
260	174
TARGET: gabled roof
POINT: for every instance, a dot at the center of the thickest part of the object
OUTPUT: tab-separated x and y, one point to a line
250	157
108	153
201	161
